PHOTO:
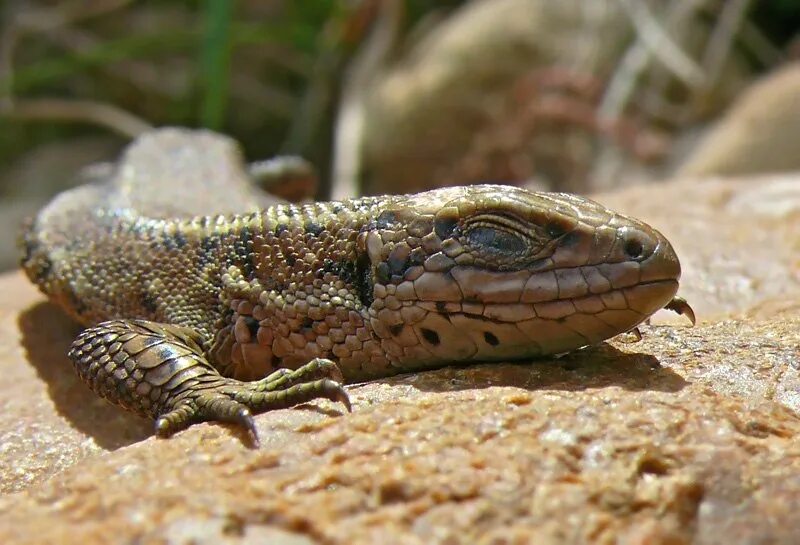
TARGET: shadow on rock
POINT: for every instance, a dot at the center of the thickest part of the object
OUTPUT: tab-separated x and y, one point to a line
595	367
46	335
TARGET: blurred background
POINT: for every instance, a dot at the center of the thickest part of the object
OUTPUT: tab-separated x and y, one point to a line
387	96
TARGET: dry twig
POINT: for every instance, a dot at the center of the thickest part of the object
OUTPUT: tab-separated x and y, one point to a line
659	43
98	113
349	128
45	20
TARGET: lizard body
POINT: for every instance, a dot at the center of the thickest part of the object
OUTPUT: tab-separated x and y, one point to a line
203	302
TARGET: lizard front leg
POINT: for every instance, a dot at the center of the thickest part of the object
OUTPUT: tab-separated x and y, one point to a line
159	371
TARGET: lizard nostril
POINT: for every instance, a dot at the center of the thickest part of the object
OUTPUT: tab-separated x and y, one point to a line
634	248
637	244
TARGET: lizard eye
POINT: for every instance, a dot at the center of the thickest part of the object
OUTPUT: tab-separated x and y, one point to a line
495	240
501	241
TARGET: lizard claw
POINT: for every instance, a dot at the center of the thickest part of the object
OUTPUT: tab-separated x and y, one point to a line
338	393
680	306
244	418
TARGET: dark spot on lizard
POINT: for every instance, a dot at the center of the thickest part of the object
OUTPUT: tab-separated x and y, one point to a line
396	329
554	230
307	324
280	228
149	302
30	248
570	239
430	335
382	272
490	338
252	325
417	257
398	260
290	260
386	219
364	282
169	244
45	267
440	306
346	270
444	227
420	226
328	266
207	254
180	239
243	250
209	243
313	228
245	238
397	266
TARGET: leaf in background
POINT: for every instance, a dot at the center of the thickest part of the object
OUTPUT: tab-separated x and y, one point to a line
215	62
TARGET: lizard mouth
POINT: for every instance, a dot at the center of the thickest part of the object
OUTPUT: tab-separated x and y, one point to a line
493	315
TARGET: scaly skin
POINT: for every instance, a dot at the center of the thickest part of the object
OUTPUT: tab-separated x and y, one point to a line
209	317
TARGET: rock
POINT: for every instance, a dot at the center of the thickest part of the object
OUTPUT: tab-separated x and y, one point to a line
599	447
450	97
689	436
47	422
760	133
509	90
31	180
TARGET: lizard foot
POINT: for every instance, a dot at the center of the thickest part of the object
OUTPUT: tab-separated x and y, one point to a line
158	370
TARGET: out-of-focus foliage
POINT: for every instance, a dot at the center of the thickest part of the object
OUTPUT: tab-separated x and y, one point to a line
268	72
780	19
240	67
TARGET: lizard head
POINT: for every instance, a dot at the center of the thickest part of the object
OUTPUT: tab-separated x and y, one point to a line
493	272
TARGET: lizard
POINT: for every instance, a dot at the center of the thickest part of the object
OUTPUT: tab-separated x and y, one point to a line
204	300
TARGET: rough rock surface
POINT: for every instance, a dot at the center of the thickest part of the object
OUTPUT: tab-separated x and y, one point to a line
690	436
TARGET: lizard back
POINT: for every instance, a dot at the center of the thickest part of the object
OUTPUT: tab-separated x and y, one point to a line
129	220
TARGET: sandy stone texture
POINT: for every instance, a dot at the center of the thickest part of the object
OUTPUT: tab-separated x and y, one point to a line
691	435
